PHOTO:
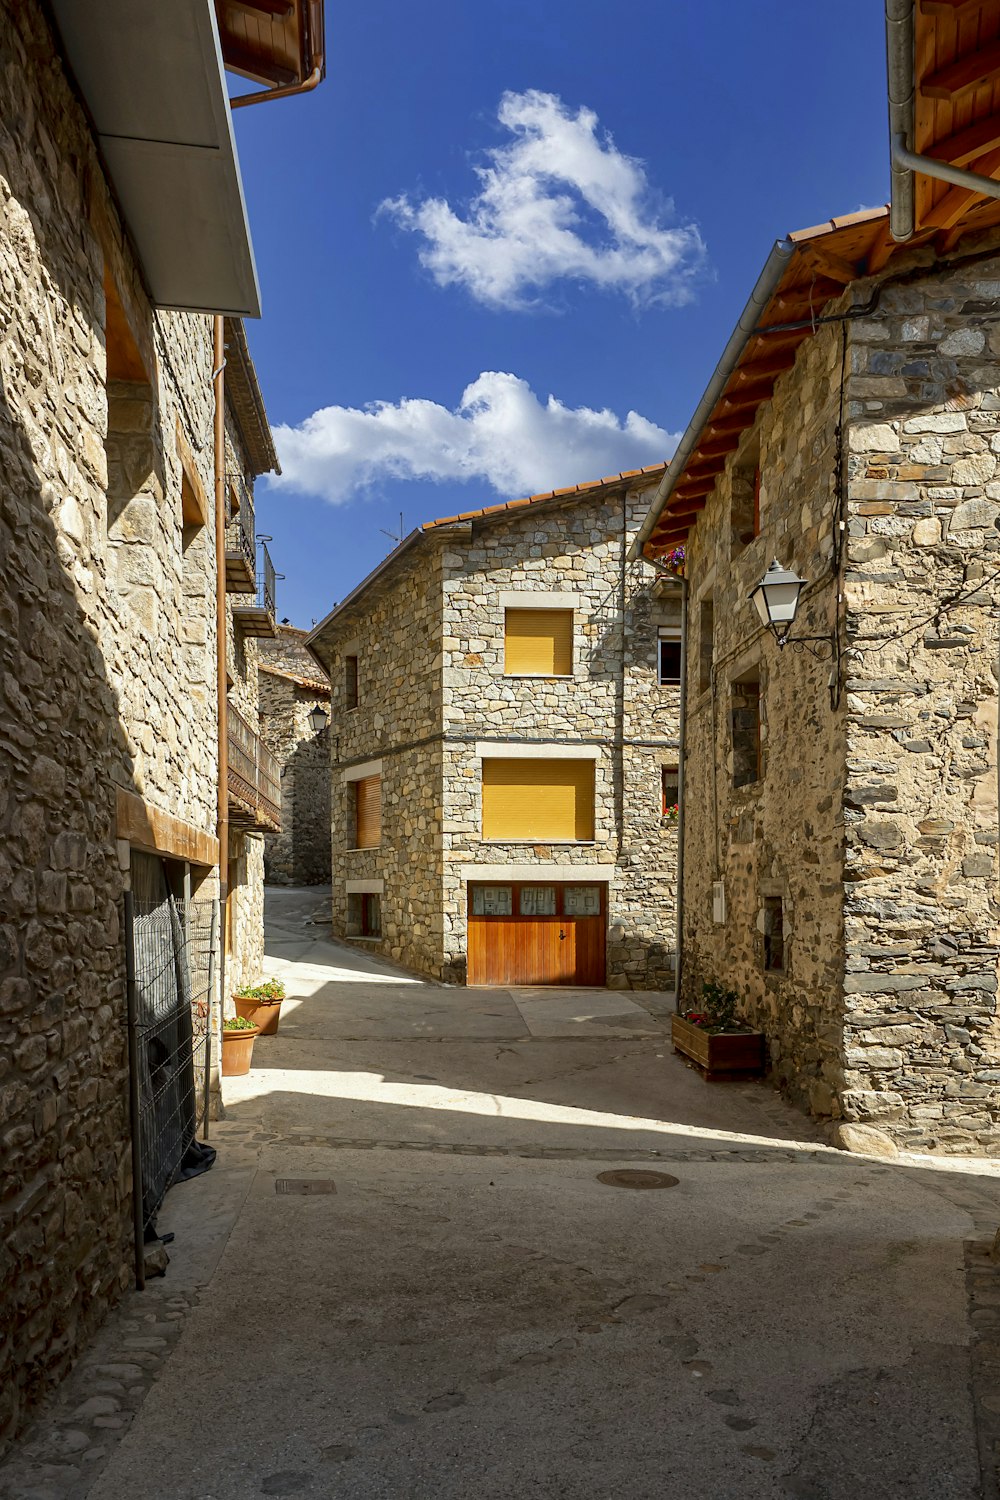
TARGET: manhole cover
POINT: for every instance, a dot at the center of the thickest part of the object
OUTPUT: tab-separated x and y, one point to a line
306	1185
629	1178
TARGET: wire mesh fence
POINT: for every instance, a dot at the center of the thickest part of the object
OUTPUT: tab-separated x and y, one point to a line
169	941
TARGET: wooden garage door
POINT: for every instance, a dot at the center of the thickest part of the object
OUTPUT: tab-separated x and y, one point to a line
537	932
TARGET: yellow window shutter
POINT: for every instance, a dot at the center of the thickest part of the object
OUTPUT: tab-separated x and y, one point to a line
368	792
538	642
538	799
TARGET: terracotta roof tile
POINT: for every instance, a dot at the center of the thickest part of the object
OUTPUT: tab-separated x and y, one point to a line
571	489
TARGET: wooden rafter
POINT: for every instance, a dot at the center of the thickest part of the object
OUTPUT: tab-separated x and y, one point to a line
833	266
957	9
947	211
279	9
964	73
967	145
256	66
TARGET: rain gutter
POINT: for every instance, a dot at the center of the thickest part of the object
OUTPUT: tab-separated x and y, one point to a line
748	325
899	61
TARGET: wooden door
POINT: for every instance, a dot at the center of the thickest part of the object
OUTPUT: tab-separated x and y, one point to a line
536	933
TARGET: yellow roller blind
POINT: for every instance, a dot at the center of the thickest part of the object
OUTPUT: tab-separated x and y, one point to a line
368	792
539	641
538	799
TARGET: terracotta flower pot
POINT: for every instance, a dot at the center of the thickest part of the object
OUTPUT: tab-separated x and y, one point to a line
263	1013
237	1050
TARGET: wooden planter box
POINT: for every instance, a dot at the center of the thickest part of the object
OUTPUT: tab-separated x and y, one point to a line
724	1054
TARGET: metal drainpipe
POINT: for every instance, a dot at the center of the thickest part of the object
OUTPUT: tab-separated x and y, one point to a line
219	383
286	91
681	778
899	65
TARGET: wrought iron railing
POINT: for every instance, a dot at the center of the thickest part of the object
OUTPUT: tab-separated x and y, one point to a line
265	580
240	533
254	771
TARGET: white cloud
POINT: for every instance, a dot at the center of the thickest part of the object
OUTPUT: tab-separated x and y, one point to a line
559	202
500	434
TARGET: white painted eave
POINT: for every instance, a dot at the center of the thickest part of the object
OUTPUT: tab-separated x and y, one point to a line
152	78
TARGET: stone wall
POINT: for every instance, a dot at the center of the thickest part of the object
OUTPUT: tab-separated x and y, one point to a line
779	834
429	643
922	1032
245	963
291	684
107	644
612	703
875	817
395	633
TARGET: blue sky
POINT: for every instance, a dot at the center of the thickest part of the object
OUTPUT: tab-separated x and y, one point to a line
497	230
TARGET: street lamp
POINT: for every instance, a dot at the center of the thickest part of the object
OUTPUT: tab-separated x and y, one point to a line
318	718
776	599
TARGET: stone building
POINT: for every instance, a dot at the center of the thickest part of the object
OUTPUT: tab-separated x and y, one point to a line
504	746
292	687
113	681
840	822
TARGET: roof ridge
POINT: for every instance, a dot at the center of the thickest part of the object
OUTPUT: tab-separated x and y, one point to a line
573	489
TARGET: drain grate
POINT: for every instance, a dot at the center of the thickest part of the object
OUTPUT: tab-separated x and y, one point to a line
630	1178
309	1186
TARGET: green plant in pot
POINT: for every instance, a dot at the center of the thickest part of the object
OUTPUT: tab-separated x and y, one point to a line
261	1003
715	1039
238	1034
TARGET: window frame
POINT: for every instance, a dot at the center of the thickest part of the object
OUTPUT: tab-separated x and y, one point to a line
538	838
670	810
670	635
528	608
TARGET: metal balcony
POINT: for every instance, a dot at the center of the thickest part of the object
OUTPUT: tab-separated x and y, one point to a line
254	778
241	540
256	616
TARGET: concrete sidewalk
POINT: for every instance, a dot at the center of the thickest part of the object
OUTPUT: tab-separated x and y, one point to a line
469	1310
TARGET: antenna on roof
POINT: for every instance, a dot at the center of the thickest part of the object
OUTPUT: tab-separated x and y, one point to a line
391	534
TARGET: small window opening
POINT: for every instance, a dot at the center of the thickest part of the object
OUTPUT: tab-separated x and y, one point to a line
364	914
669	658
745	727
745	502
706	643
350	682
774	934
670	791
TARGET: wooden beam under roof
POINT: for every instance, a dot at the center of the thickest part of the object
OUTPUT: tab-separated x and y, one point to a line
834	267
968	145
965	72
957	9
947	211
280	10
257	66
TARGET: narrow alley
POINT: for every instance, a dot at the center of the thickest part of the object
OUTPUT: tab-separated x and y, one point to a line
409	1273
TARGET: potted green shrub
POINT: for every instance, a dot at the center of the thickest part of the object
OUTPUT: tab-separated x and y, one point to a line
261	1003
237	1045
714	1037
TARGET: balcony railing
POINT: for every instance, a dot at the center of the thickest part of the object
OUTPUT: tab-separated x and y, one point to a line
241	541
256	616
254	777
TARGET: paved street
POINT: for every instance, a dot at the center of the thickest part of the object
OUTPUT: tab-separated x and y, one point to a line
473	1312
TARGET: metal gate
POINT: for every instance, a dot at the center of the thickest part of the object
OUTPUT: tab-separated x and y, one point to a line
169	945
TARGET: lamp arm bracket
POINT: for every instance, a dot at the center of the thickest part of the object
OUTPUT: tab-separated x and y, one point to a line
811	643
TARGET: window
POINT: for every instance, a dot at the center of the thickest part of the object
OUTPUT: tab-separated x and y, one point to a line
538	643
350	682
670	791
706	643
538	901
774	934
669	657
364	914
545	800
367	812
492	900
745	727
745	502
582	900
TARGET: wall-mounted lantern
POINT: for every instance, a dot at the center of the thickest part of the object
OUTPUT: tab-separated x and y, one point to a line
776	599
318	718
